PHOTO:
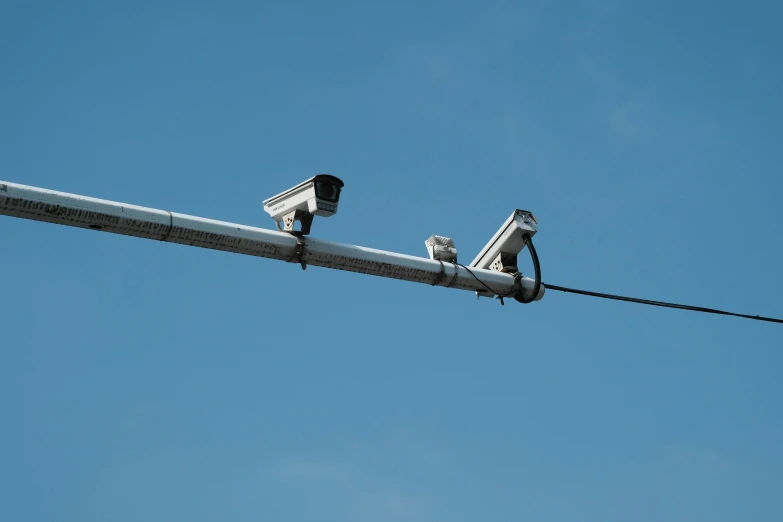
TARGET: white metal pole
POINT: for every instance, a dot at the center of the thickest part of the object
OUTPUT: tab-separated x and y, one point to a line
162	225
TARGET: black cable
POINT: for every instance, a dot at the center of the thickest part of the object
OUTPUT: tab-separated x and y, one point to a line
660	303
537	268
537	287
482	282
536	284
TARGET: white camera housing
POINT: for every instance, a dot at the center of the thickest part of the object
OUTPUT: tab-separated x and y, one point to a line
442	248
318	196
500	254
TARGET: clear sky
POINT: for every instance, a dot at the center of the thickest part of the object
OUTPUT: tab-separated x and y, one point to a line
142	381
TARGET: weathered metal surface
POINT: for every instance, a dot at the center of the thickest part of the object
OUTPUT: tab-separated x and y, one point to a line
162	225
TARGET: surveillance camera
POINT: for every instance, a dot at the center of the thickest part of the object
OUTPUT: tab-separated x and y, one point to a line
318	196
500	254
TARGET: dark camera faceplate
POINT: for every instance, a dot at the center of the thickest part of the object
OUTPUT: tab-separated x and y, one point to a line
327	191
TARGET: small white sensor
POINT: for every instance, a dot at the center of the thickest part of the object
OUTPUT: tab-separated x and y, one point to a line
442	249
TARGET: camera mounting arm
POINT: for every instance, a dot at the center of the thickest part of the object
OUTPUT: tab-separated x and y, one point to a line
161	225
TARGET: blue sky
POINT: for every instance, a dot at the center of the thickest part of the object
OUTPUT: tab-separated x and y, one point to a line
156	382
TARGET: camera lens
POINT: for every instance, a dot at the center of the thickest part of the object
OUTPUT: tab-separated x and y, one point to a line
327	191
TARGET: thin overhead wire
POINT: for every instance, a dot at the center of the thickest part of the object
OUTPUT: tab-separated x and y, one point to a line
660	303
